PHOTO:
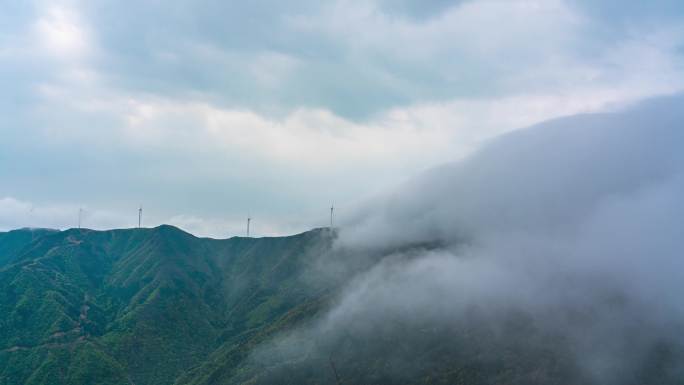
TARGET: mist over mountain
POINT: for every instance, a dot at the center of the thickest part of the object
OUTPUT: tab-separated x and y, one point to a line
551	256
433	192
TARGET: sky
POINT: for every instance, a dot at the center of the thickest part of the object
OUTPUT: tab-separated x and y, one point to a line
205	112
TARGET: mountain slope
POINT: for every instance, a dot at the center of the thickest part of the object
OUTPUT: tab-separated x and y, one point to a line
12	242
160	306
141	305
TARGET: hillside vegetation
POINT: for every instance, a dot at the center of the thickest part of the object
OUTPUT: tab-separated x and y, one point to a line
160	306
139	306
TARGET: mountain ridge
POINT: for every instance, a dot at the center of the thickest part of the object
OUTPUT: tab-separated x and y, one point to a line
159	306
139	305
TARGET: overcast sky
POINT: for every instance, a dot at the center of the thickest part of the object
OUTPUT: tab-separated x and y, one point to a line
203	111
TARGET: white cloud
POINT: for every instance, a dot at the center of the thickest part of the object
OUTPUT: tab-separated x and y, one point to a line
573	226
437	88
61	33
318	139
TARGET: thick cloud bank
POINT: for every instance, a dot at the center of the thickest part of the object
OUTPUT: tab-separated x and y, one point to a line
574	226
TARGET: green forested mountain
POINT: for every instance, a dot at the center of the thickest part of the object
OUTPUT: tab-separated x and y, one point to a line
160	306
13	241
139	306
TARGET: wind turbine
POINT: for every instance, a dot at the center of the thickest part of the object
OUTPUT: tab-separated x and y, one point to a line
332	209
80	214
249	220
140	217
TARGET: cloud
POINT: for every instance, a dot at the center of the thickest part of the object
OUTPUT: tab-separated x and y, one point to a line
221	103
61	33
573	225
136	145
306	57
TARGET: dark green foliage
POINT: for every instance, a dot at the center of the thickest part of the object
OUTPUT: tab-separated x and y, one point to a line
160	306
13	242
141	305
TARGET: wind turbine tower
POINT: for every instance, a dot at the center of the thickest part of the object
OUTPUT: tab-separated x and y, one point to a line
140	217
332	209
249	220
80	214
